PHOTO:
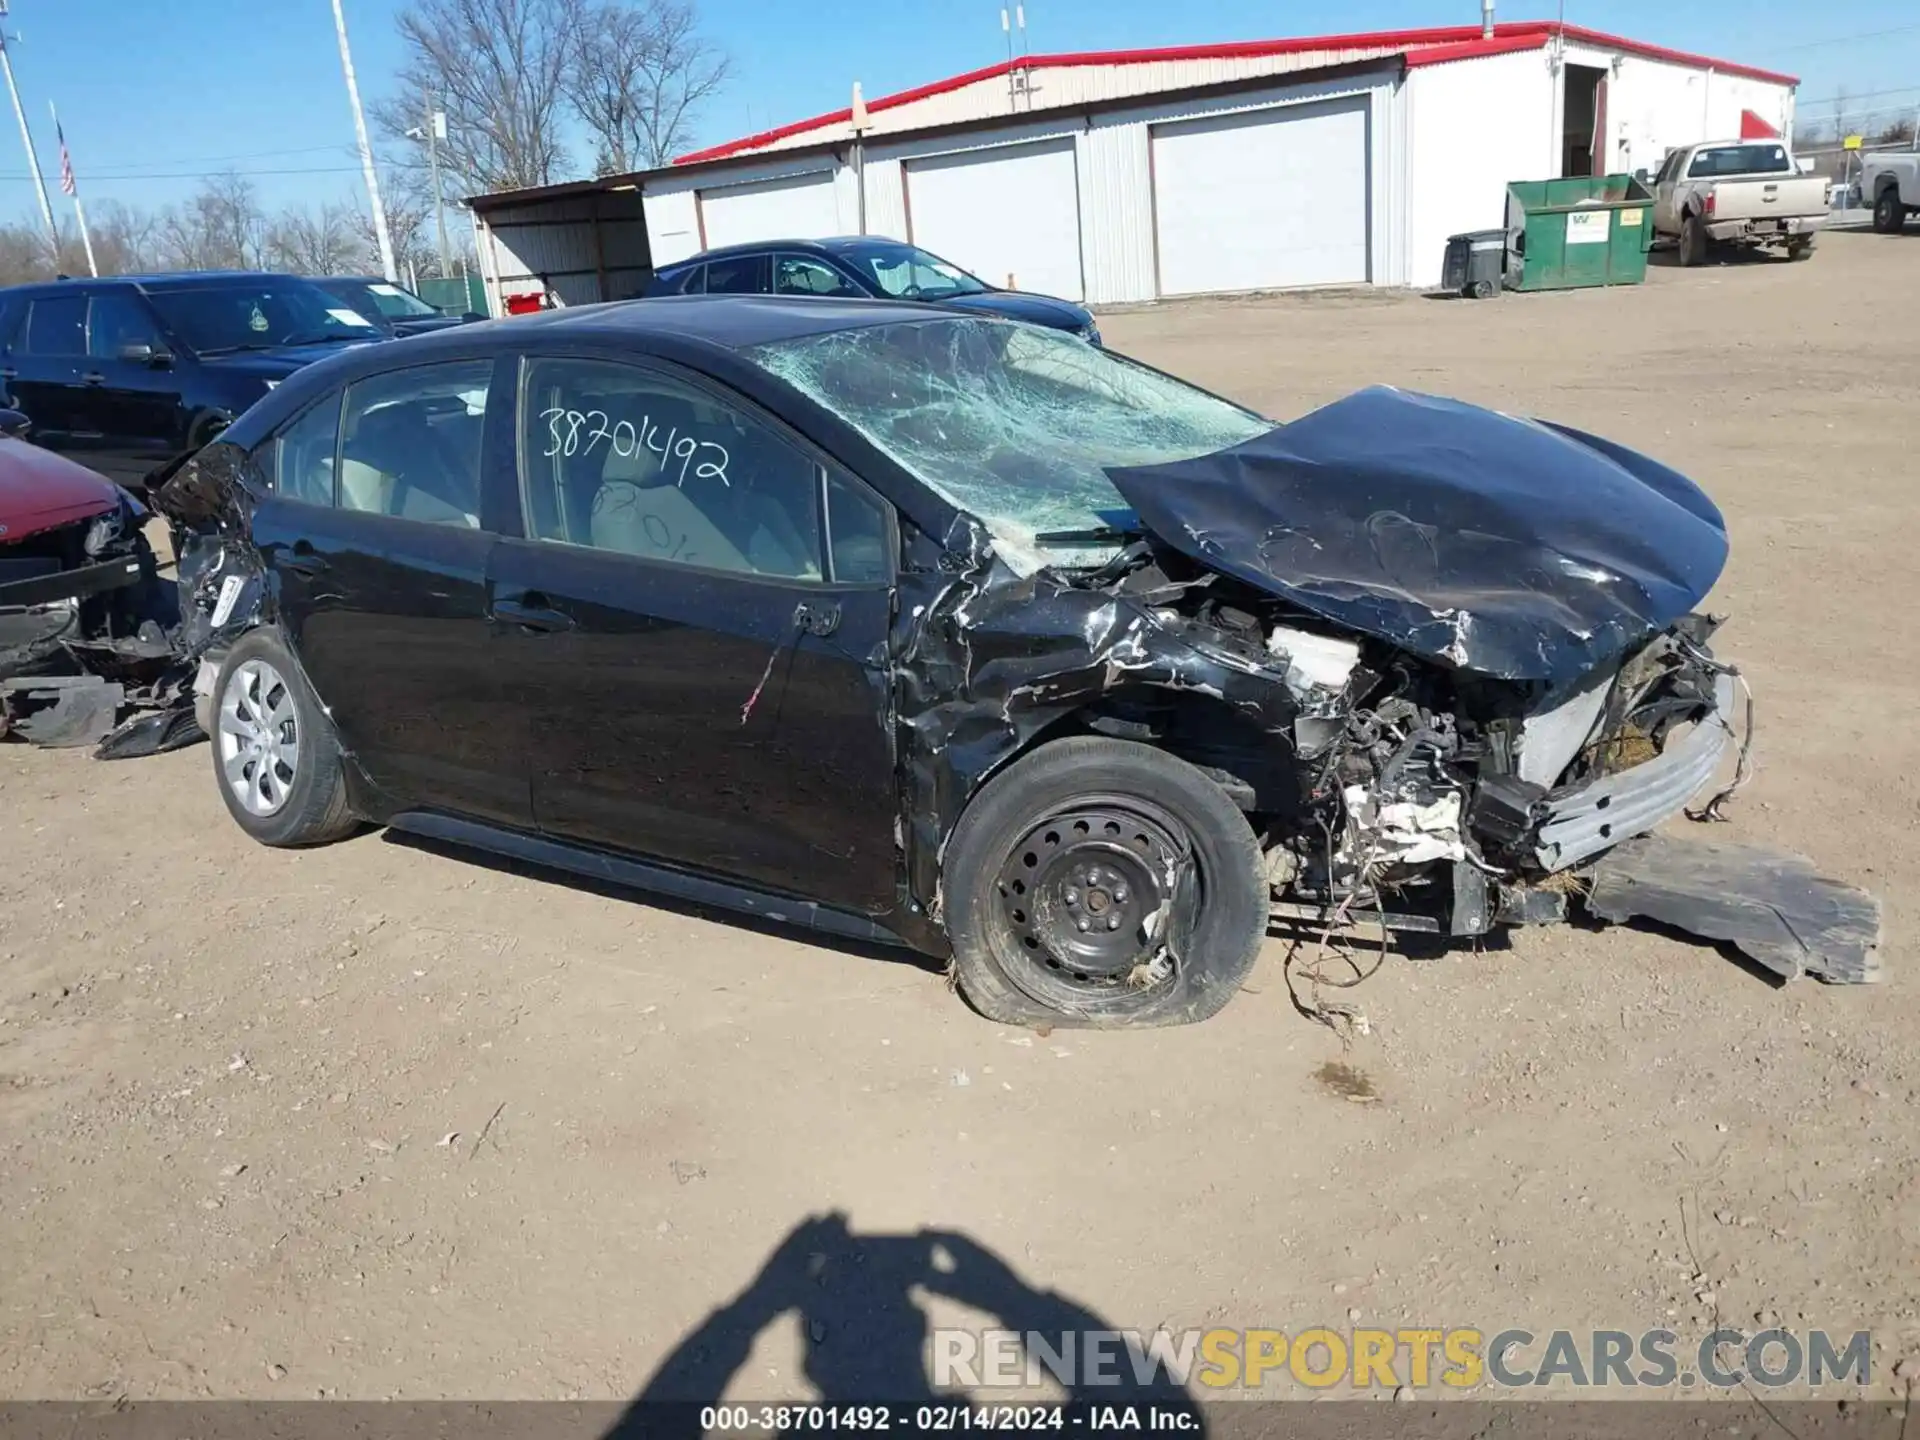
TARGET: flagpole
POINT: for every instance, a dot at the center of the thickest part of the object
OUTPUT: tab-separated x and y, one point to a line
72	187
26	138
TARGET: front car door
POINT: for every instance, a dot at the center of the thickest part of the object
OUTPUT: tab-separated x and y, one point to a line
374	531
705	675
136	407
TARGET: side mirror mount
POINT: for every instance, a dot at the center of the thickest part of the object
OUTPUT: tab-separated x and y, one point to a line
140	352
1641	175
14	424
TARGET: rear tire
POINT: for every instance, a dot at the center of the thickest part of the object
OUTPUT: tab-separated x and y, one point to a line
1889	215
1799	249
1070	870
1480	290
275	756
1693	241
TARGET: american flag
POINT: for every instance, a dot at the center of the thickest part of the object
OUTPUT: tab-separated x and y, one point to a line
67	183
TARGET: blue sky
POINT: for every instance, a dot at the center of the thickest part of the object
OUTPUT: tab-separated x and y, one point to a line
154	95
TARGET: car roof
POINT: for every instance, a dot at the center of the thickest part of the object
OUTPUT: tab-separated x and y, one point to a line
824	245
176	280
732	322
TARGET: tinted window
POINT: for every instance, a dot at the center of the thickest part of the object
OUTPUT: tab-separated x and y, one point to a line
1740	160
633	461
57	325
804	275
856	535
908	271
691	281
410	445
117	319
258	315
742	275
303	454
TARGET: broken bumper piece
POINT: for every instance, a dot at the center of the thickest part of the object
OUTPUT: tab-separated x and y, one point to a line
1769	903
1580	825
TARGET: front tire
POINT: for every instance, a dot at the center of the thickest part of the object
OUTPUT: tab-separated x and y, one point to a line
274	752
1102	883
1889	215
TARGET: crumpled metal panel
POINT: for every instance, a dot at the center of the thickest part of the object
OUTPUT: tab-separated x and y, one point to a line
984	660
1509	547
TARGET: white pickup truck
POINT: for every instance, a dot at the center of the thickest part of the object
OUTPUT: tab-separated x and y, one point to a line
1741	192
1890	183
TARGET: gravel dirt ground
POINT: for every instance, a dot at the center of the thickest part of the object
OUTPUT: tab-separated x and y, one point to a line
382	1120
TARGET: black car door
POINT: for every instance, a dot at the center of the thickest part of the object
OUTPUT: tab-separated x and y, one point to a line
132	396
374	534
44	365
705	682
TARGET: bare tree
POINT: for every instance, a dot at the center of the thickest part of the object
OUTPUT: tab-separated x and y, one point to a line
496	67
219	227
637	74
322	241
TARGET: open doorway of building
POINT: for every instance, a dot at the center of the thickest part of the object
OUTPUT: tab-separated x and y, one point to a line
1583	131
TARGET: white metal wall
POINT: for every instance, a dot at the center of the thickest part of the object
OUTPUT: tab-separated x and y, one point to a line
1655	105
561	245
674	204
1473	126
1113	174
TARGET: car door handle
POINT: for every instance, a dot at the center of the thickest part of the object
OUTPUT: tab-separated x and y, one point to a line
93	377
532	613
816	617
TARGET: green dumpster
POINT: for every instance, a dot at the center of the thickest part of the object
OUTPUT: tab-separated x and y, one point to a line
1587	230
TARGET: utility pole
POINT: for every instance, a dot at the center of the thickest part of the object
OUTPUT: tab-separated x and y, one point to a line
380	234
436	132
26	139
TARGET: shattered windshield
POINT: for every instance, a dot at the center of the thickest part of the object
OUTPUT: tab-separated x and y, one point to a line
1014	424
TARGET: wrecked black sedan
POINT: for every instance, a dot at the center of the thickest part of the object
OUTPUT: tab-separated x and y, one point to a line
886	622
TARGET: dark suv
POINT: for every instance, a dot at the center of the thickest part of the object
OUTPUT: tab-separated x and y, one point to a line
124	374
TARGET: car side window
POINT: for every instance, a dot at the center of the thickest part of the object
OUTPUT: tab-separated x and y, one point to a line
410	443
741	275
305	453
694	282
630	460
57	325
804	275
115	320
859	539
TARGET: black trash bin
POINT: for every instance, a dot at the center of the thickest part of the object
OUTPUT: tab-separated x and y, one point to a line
1475	262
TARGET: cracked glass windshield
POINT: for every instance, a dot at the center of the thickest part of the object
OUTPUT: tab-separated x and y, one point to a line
1014	424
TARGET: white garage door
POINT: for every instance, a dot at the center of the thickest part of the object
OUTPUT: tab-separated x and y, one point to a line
1011	214
1262	201
799	207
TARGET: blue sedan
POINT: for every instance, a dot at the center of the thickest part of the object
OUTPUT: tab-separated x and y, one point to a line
855	266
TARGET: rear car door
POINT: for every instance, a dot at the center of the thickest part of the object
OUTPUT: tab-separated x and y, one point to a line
739	275
375	536
133	399
704	680
44	365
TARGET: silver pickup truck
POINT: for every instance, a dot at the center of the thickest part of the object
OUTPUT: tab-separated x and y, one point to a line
1740	192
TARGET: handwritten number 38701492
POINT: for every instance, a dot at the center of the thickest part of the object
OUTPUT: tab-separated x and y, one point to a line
576	432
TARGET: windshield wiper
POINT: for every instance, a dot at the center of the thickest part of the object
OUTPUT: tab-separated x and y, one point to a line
1093	535
318	337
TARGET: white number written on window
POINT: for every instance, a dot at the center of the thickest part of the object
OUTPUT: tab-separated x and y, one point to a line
576	432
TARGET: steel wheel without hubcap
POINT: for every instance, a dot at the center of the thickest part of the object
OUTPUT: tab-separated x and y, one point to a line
259	738
1089	897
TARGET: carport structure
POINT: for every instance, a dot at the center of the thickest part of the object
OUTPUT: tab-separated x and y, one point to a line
1123	176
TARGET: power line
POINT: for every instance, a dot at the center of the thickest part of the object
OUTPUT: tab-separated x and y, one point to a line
1843	39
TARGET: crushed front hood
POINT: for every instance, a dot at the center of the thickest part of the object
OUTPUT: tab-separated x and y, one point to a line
1509	547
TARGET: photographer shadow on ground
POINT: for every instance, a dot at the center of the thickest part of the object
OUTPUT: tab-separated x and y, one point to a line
865	1339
